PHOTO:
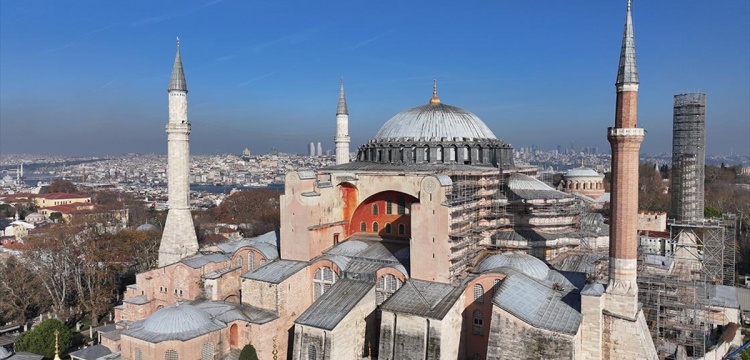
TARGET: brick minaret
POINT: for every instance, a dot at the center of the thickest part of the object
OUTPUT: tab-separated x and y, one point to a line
625	138
179	239
342	138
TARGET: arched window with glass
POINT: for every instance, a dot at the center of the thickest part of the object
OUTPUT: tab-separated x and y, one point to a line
375	227
386	286
375	209
323	280
312	352
478	293
363	227
388	228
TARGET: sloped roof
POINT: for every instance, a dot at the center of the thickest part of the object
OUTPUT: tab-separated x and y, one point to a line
539	305
227	312
423	298
92	352
276	271
200	260
335	304
525	187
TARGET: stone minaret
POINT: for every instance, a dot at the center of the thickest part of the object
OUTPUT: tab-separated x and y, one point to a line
625	138
342	138
178	240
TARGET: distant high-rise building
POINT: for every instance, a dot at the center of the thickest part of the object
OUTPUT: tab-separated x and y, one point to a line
178	239
311	149
320	150
688	156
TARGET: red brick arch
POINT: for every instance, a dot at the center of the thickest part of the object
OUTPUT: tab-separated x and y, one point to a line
396	199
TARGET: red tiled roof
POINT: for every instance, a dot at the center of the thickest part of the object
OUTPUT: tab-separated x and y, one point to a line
654	234
60	196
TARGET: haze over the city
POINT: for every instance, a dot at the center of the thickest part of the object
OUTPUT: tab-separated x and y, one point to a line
90	78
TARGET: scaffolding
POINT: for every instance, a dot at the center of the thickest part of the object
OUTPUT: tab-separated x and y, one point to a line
675	295
688	156
477	207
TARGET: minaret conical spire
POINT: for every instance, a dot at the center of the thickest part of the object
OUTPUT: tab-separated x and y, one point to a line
342	109
177	81
627	72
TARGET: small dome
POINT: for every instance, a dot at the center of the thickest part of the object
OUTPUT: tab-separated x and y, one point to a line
582	172
524	263
146	227
177	319
435	121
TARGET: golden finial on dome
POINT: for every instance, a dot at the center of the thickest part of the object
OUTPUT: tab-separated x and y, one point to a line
274	352
57	344
435	99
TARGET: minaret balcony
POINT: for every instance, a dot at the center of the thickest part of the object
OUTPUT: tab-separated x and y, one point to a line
617	132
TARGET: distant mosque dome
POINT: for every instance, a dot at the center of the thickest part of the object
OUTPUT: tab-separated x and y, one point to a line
520	262
582	172
436	133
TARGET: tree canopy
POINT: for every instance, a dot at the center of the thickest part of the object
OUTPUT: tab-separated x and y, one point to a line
41	339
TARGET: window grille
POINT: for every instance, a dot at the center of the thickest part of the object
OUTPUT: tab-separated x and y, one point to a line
312	352
138	354
363	227
251	260
375	227
495	286
374	209
207	353
478	293
171	355
323	280
386	286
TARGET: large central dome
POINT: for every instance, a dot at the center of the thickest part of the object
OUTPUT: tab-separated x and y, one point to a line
434	121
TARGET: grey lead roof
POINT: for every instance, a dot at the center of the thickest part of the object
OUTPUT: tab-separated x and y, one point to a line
175	322
342	109
177	80
276	271
227	312
538	304
198	261
423	298
528	188
266	244
627	71
335	304
435	121
92	352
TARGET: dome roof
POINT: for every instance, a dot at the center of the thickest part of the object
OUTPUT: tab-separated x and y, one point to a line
177	319
524	263
434	121
146	227
582	172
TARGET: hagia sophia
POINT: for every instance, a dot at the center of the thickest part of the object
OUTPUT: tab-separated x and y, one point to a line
431	244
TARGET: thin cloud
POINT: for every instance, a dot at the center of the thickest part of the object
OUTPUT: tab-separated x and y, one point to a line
374	38
108	84
257	78
78	38
291	39
165	17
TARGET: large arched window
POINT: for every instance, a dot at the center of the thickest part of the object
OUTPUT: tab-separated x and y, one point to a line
312	352
375	209
323	280
478	322
207	352
478	293
171	355
388	228
386	286
251	260
375	227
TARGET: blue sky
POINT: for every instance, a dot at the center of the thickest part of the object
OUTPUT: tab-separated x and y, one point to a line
90	77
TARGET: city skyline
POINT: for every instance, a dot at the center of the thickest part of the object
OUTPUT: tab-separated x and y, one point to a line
78	80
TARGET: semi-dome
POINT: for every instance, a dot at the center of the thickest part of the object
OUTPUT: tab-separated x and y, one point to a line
435	121
146	227
524	263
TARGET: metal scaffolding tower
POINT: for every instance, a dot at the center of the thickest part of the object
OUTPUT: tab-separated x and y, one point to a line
688	156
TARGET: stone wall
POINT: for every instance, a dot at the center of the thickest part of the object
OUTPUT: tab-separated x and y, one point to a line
513	339
410	337
627	339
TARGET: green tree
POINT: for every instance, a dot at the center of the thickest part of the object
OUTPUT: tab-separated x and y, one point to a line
6	210
248	353
56	216
711	212
41	339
